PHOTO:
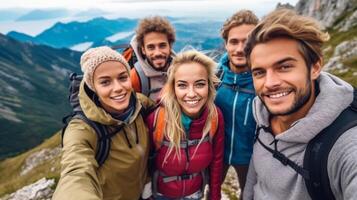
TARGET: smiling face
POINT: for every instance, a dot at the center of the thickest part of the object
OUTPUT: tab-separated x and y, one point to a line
235	47
157	49
282	79
191	88
113	86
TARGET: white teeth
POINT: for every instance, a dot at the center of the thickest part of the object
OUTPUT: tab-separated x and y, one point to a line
278	95
192	102
119	97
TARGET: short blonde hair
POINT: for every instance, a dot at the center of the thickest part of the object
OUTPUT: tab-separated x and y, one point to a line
286	23
239	18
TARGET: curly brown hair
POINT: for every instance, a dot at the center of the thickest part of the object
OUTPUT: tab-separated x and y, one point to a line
155	24
287	23
239	18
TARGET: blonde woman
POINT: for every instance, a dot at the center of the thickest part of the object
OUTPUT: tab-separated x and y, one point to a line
106	97
187	131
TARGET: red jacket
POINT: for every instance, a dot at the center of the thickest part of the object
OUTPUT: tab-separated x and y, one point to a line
208	155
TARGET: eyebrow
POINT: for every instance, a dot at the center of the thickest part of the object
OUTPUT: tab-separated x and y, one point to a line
279	62
284	60
200	80
105	76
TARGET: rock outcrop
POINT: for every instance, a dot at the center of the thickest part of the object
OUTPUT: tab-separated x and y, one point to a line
40	190
326	11
338	17
343	51
38	158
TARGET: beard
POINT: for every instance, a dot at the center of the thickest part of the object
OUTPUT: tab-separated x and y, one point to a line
239	65
301	98
159	68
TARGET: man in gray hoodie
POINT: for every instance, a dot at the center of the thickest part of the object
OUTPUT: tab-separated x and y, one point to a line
295	102
152	46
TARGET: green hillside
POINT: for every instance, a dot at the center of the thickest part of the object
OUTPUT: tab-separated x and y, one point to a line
10	169
33	98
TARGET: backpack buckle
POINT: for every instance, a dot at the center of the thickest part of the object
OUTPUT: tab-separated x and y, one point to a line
281	157
185	176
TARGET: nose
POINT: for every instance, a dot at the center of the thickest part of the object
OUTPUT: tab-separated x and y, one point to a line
272	80
118	87
157	51
240	47
191	92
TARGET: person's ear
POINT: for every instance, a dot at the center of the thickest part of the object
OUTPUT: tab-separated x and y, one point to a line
316	69
143	51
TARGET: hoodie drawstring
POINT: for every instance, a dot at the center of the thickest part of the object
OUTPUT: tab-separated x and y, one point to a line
280	156
136	135
127	139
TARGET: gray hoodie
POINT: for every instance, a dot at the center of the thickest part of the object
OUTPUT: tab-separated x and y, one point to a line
157	78
269	179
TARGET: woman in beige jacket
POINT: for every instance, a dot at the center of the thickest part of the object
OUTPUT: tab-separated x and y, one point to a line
105	96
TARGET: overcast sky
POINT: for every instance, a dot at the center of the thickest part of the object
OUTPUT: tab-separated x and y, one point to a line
117	4
202	9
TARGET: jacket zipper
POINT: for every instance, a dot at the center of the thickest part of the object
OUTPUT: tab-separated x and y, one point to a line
247	112
233	123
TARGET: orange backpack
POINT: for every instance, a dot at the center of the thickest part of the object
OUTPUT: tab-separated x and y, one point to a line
159	127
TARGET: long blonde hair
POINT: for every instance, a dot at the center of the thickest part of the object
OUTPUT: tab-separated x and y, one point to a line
174	130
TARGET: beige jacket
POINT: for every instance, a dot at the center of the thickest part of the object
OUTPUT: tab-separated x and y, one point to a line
123	174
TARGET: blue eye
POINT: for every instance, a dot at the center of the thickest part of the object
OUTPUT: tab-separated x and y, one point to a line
104	82
200	85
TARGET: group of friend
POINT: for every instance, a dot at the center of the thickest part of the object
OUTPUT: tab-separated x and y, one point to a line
268	86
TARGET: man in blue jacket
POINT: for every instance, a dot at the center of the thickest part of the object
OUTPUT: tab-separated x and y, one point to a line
235	94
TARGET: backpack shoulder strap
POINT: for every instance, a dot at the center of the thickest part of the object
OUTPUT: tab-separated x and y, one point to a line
103	137
159	126
129	55
135	80
318	149
214	125
144	81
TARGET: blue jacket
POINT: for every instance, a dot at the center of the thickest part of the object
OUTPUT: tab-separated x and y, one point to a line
234	97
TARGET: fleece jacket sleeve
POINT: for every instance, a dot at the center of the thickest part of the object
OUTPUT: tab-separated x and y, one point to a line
79	180
342	166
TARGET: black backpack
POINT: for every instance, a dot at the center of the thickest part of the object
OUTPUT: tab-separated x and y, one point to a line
317	151
104	133
104	137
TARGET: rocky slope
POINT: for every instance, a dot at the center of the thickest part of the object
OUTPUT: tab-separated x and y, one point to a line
339	18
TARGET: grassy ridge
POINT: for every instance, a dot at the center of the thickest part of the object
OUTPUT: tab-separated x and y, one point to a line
10	179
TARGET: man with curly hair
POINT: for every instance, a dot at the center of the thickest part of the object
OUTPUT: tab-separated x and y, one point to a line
152	46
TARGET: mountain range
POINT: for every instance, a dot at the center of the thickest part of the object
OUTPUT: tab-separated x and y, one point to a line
34	71
101	31
33	85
